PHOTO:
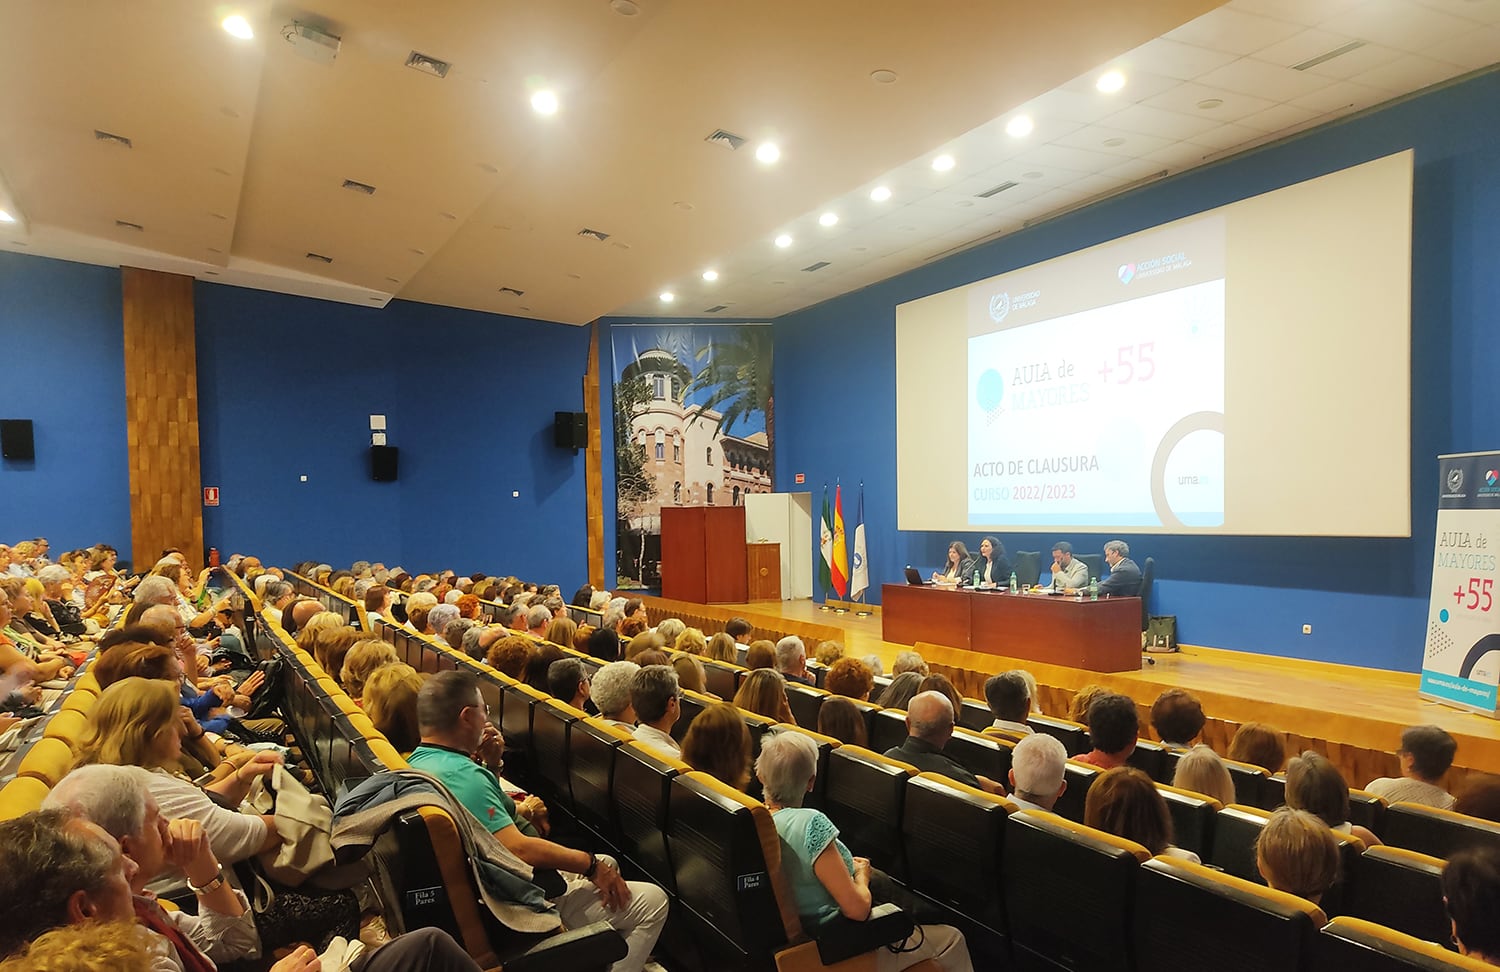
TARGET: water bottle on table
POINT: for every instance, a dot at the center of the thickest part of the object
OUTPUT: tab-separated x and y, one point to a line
1093	588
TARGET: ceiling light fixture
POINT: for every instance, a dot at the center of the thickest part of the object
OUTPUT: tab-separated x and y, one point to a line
767	152
1110	81
880	193
1209	104
883	76
544	103
710	275
828	219
943	163
238	26
1019	126
784	240
6	217
667	296
625	8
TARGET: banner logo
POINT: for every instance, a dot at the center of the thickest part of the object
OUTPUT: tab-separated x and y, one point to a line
1455	479
1126	272
1491	477
999	307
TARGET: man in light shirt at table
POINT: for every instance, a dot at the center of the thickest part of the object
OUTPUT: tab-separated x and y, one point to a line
1067	570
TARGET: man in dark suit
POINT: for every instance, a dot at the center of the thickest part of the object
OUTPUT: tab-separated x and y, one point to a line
1124	578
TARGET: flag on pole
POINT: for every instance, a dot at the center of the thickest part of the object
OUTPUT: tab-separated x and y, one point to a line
859	578
840	548
825	544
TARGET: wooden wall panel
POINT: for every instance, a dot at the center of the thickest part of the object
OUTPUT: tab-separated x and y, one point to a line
161	414
593	476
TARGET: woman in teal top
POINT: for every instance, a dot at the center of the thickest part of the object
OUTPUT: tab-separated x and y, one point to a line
825	878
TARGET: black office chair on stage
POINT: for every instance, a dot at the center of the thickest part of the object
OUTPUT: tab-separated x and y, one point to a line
1148	574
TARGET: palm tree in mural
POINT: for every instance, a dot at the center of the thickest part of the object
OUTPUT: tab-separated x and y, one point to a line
737	376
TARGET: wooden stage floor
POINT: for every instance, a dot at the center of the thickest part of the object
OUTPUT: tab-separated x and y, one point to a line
1364	707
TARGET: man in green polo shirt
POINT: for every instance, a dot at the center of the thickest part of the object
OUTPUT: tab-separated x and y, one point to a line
456	731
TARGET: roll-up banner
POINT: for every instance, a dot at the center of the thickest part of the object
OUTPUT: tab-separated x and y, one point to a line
1461	665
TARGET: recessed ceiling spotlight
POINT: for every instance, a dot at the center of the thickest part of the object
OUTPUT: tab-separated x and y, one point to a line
767	152
1209	104
667	296
238	26
710	275
544	103
1033	174
828	219
1019	126
625	8
883	76
943	163
964	203
784	240
6	217
684	205
880	193
1110	81
1114	142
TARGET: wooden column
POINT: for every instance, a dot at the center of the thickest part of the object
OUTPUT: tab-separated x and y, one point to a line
593	476
161	415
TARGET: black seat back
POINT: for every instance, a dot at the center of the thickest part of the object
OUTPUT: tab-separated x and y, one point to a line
889	729
982	755
1367	810
643	780
1079	777
1193	817
1352	943
515	726
1075	738
720	678
1439	833
864	798
1151	758
805	701
592	746
975	715
1094	562
1148	578
1028	567
1236	829
955	840
551	722
1253	786
689	705
1400	889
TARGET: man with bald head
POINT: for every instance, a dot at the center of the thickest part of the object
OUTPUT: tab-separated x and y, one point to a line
929	726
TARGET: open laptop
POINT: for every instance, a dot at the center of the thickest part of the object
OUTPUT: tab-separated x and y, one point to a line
914	577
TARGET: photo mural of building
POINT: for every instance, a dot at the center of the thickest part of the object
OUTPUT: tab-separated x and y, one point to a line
693	427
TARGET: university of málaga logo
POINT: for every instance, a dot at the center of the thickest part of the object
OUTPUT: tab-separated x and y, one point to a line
1126	272
1455	479
999	307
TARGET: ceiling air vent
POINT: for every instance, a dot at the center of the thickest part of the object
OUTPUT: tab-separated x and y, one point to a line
127	224
593	234
112	138
512	291
320	257
359	187
1328	55
725	139
815	267
997	190
715	309
427	65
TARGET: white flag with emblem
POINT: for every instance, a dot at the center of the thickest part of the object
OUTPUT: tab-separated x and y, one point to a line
859	571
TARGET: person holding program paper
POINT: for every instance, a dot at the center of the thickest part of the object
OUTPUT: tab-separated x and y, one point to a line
1068	573
1124	578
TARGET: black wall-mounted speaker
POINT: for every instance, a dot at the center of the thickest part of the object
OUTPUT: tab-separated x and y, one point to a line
16	440
570	430
383	462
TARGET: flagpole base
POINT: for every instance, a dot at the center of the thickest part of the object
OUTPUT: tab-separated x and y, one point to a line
865	613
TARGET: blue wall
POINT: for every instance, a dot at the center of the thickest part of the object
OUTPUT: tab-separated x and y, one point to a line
1366	599
64	355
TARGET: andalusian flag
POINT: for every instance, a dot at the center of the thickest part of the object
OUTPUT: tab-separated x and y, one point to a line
825	544
860	578
840	554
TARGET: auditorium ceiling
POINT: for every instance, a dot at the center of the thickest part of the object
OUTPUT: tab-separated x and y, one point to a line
239	150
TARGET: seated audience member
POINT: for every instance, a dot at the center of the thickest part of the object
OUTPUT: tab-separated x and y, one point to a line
1297	853
909	661
940	683
1037	772
652	656
826	880
872	662
511	617
454	725
1426	753
850	678
583	596
721	648
298	613
135	722
763	692
19	648
538	664
760	654
510	655
1177	717
1314	784
1113	727
604	644
739	629
690	640
1078	706
670	629
473	636
418	607
610	691
555	604
642	641
1480	798
656	699
838	718
390	701
1471	894
560	631
1009	701
1257	744
1124	578
1124	802
828	652
1201	770
929	726
363	659
455	630
468	606
897	695
120	946
791	660
568	682
717	743
538	617
598	601
690	674
636	608
581	638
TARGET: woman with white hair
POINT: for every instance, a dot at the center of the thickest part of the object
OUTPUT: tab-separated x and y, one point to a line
826	880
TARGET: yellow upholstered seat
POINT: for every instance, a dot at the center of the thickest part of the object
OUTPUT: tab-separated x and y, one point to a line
49	761
21	796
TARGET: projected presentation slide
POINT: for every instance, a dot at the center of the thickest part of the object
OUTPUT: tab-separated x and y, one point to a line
1096	386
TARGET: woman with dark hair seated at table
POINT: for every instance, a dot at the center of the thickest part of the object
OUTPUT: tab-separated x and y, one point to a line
958	566
826	880
991	563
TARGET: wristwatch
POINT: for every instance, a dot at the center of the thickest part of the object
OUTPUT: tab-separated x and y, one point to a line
593	868
210	887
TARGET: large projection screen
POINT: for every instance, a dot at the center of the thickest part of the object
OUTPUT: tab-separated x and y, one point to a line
1243	371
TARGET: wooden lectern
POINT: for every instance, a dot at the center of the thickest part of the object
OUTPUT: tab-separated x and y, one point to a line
703	554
